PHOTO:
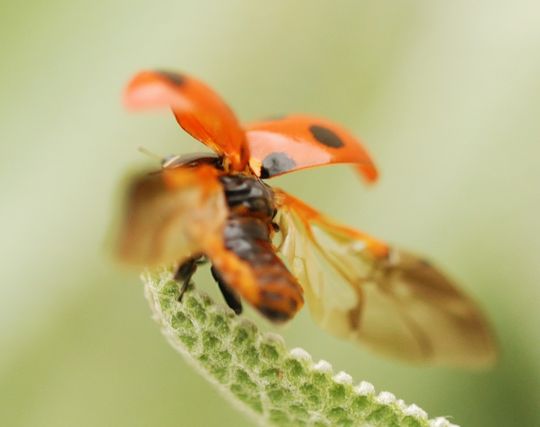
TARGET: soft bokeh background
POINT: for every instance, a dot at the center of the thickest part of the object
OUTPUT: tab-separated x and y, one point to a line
446	94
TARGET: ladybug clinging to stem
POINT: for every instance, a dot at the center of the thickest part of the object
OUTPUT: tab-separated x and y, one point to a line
272	250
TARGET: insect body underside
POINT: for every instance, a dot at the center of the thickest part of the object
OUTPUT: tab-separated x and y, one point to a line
247	233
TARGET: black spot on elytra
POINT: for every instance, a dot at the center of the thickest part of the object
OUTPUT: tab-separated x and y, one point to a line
176	79
326	137
276	163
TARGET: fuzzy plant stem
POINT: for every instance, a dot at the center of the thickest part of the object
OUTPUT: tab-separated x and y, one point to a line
257	373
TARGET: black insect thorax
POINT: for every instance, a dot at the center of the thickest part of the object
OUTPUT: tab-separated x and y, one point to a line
248	196
247	231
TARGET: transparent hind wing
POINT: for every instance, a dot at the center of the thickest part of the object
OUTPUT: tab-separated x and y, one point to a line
360	289
171	215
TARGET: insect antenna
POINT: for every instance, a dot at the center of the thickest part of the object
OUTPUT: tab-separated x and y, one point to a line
149	153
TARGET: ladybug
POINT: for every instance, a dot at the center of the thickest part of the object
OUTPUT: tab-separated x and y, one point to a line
270	249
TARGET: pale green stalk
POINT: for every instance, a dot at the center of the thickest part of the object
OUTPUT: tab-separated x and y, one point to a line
257	373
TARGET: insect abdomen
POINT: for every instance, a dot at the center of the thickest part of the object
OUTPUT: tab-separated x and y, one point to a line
279	294
247	234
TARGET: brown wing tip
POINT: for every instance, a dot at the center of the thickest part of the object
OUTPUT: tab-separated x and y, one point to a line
487	355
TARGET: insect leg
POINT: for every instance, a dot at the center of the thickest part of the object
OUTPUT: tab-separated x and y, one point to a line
185	272
230	297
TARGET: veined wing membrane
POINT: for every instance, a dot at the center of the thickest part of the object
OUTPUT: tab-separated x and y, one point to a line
386	299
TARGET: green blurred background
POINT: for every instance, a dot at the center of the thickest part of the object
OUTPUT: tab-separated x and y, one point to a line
446	96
